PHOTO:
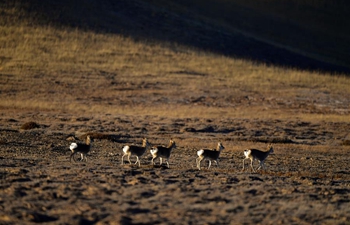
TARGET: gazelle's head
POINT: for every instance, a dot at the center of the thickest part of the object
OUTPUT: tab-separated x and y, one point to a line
220	147
270	148
172	143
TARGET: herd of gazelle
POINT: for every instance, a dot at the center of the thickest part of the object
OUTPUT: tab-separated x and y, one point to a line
165	152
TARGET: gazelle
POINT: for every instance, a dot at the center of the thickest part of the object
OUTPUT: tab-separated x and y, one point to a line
138	151
255	154
209	154
81	148
162	152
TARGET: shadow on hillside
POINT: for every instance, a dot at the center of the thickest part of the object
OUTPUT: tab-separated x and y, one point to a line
142	20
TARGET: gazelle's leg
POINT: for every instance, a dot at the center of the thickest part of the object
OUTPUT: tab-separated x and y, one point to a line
209	164
167	162
251	165
72	156
123	158
85	157
137	159
129	158
217	162
261	165
199	163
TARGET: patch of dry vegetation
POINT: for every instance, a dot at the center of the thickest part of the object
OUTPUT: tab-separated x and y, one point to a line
119	88
71	70
100	136
317	29
113	67
29	126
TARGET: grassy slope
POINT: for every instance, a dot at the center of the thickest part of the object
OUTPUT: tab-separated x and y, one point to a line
314	28
242	29
48	57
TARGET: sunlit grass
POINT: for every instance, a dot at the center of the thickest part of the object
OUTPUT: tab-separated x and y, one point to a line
50	68
173	111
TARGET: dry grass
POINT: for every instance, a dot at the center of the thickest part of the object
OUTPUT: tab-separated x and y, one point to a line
48	50
346	142
119	89
99	136
29	126
42	66
174	111
307	27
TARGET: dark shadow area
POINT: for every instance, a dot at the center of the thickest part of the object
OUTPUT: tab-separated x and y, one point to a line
150	21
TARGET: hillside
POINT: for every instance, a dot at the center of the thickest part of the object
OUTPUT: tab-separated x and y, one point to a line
292	34
246	73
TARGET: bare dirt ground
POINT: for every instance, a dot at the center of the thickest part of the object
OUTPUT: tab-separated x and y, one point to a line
306	182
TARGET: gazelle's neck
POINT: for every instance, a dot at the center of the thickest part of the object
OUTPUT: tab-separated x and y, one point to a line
270	149
145	143
219	147
88	140
171	144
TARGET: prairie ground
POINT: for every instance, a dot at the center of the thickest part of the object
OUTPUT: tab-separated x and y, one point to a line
306	180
